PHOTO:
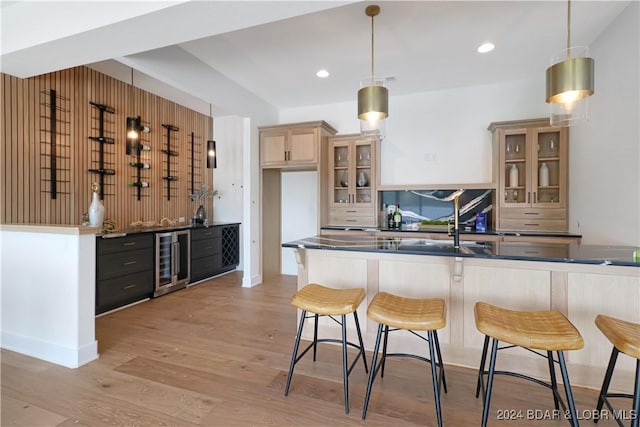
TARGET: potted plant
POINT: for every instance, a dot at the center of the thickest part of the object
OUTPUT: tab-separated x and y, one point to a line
204	192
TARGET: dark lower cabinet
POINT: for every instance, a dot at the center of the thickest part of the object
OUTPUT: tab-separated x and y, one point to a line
125	265
214	250
124	270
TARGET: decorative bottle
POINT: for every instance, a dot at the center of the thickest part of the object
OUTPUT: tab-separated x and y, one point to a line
96	208
513	176
362	180
397	218
543	176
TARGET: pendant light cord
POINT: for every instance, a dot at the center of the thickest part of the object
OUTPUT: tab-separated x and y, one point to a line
372	49
568	29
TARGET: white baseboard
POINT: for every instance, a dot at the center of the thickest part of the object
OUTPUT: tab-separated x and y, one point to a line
50	352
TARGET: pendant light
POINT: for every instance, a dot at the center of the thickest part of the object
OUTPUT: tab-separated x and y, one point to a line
373	99
569	82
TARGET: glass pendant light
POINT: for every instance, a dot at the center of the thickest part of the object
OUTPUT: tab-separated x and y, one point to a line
569	82
373	98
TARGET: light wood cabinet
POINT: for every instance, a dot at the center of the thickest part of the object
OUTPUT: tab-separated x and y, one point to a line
351	180
293	146
531	175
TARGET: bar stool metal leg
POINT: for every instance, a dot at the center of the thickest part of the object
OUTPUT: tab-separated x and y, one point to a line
373	372
442	377
315	337
295	352
364	359
552	376
607	381
487	396
345	373
384	350
567	389
434	374
483	360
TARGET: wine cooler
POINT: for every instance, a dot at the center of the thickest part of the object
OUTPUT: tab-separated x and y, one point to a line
172	261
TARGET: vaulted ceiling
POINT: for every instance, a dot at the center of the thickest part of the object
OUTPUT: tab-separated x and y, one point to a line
225	52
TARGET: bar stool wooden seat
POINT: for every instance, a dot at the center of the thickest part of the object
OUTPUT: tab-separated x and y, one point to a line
625	337
399	313
324	301
535	331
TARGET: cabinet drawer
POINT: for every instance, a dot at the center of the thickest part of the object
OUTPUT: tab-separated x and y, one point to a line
120	264
126	243
205	233
533	224
533	214
202	248
202	268
537	250
345	219
123	290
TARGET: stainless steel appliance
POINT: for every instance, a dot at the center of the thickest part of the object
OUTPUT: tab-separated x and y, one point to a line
173	269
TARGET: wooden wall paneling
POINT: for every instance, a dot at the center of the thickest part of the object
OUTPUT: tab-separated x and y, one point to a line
24	156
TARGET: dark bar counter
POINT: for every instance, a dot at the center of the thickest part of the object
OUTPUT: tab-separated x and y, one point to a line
544	252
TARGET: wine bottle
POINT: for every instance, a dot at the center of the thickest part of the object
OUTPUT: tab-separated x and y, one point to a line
143	147
143	184
139	165
390	219
397	218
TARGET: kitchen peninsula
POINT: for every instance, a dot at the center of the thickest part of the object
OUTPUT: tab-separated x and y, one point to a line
581	281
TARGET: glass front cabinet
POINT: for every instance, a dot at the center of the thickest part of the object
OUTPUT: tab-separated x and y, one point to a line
531	175
351	181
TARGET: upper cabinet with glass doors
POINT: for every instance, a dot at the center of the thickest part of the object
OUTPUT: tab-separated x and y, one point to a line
531	175
351	180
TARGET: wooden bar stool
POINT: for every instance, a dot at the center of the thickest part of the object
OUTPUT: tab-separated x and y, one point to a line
400	313
548	331
323	301
625	337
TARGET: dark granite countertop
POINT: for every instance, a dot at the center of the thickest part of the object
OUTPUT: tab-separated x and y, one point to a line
547	252
160	229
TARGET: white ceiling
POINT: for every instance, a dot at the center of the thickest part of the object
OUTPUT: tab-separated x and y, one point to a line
269	51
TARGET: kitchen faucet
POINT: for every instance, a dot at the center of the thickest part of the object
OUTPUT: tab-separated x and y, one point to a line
455	230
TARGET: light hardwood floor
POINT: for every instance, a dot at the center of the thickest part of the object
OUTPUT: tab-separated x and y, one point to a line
217	354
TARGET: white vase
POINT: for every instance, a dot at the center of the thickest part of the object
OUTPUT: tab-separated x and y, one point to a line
96	211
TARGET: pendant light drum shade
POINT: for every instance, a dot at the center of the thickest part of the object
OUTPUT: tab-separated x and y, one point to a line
570	80
373	103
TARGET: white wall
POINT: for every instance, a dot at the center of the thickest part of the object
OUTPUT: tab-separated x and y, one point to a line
447	127
228	132
604	169
299	209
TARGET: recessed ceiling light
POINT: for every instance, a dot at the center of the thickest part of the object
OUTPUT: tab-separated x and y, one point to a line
486	47
322	74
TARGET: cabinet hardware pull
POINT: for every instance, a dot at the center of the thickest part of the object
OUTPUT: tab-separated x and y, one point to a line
352	211
129	286
129	244
534	197
531	252
129	263
532	213
533	225
350	220
528	196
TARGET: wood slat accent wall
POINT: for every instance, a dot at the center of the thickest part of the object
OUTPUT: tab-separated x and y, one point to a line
26	149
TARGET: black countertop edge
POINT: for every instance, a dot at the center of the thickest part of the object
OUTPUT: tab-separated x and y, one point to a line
160	229
554	252
473	232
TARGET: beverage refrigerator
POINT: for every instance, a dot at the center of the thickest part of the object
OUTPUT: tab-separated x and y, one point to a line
172	261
